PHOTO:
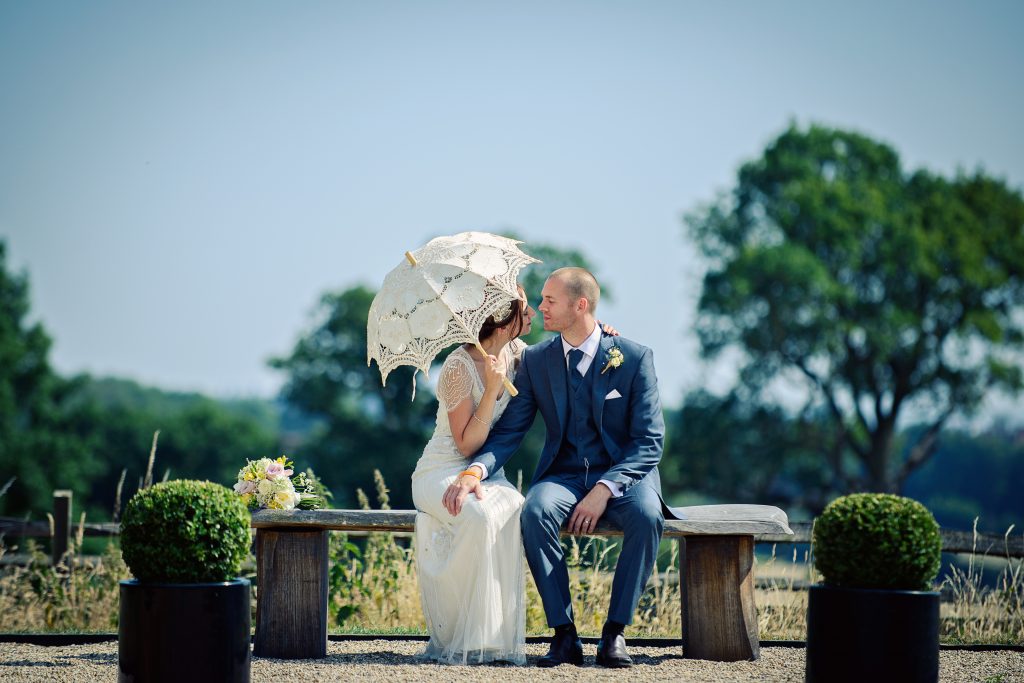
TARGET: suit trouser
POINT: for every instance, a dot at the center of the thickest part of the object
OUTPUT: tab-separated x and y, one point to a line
637	512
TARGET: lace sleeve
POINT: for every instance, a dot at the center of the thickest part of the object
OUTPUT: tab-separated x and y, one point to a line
455	384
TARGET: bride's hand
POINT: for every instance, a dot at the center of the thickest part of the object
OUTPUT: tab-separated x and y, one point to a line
494	376
455	495
609	330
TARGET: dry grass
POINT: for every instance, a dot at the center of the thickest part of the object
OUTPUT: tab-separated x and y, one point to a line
38	597
374	588
782	598
979	613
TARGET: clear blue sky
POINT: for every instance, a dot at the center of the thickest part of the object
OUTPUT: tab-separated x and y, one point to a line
183	180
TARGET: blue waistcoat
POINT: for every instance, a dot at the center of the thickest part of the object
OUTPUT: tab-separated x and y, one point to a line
582	452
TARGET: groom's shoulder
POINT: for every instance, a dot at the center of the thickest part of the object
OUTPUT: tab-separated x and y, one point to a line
542	346
629	344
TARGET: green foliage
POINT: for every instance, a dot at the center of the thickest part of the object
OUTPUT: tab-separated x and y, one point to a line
363	425
200	438
876	286
364	581
185	532
974	476
872	540
38	446
82	433
744	451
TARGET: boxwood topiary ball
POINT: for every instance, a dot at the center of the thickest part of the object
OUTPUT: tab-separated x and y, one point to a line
185	532
877	540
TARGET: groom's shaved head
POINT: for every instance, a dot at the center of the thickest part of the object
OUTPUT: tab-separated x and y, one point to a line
580	283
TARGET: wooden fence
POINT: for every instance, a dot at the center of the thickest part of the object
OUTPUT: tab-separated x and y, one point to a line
953	541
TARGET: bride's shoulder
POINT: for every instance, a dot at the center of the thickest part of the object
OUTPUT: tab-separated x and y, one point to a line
458	356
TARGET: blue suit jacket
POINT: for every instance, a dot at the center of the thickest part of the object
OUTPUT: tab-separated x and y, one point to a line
632	427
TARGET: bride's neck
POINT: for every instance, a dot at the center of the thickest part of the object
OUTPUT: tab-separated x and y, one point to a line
492	345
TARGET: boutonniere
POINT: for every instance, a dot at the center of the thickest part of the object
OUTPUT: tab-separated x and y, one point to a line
613	359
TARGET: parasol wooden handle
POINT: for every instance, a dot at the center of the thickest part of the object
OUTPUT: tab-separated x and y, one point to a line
509	387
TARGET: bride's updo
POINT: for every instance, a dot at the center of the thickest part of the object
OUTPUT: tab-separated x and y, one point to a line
513	317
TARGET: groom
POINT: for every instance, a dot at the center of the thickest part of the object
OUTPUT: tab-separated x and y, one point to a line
599	399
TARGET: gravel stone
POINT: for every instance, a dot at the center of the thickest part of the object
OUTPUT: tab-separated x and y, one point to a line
395	662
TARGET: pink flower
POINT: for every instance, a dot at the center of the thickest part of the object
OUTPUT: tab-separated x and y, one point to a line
244	487
276	470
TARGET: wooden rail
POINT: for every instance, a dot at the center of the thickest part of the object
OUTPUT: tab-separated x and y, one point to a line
401	521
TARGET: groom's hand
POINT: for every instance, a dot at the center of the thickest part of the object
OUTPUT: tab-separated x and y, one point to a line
589	510
455	495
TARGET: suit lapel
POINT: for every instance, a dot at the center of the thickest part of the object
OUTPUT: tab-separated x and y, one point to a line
601	380
556	379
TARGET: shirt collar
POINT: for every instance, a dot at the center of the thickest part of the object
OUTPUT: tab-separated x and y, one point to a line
589	345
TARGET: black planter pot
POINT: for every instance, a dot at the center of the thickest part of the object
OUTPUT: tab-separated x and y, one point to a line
177	632
872	635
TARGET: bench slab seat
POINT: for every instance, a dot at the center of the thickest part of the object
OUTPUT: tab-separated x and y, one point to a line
716	549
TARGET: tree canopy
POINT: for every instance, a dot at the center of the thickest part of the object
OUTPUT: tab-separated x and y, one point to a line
875	287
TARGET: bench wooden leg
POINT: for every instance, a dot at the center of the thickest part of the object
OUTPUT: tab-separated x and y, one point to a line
291	594
719	616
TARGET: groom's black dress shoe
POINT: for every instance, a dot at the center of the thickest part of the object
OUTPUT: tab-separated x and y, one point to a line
611	652
566	648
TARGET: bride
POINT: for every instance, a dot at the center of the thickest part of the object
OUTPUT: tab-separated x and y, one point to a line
471	566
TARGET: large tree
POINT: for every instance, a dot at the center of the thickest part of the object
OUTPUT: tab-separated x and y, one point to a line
876	287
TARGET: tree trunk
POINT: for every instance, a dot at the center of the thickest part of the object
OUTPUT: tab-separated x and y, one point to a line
879	478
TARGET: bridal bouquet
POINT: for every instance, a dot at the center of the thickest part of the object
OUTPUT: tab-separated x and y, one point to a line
267	483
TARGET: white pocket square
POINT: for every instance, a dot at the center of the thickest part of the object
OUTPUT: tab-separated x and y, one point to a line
614	393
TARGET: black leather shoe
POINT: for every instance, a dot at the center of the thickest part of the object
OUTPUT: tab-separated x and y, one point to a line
611	652
566	648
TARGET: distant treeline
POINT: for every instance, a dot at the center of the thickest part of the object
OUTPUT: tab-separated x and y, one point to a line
203	438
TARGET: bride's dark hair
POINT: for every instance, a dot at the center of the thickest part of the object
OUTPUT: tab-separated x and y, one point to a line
514	318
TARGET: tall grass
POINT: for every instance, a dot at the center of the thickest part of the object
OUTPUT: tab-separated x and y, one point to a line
75	595
374	588
979	613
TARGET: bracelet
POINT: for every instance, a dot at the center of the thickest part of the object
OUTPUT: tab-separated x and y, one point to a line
480	421
470	473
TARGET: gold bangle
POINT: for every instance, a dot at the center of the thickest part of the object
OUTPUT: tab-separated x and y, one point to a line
470	473
480	421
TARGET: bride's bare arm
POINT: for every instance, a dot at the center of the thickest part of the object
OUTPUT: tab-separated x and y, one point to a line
471	424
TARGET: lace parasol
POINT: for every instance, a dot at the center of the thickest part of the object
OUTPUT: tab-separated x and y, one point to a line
440	295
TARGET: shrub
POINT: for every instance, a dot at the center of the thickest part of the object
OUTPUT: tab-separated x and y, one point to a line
185	532
876	540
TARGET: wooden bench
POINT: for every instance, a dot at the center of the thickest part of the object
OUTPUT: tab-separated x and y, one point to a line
716	550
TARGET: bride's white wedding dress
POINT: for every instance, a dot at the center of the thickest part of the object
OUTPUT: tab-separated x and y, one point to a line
471	566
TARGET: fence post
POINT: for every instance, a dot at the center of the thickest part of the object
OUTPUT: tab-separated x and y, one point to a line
61	525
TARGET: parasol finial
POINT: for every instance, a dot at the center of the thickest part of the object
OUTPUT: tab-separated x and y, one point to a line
410	258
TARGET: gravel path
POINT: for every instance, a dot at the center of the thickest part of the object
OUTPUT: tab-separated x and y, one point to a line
394	661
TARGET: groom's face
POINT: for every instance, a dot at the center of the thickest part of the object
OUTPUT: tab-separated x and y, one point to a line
559	311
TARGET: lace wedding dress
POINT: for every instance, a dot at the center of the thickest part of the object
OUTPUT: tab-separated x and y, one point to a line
471	566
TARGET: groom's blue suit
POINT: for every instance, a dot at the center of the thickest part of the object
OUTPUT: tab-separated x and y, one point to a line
600	426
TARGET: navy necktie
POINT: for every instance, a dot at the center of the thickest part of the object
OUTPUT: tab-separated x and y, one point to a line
575	356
